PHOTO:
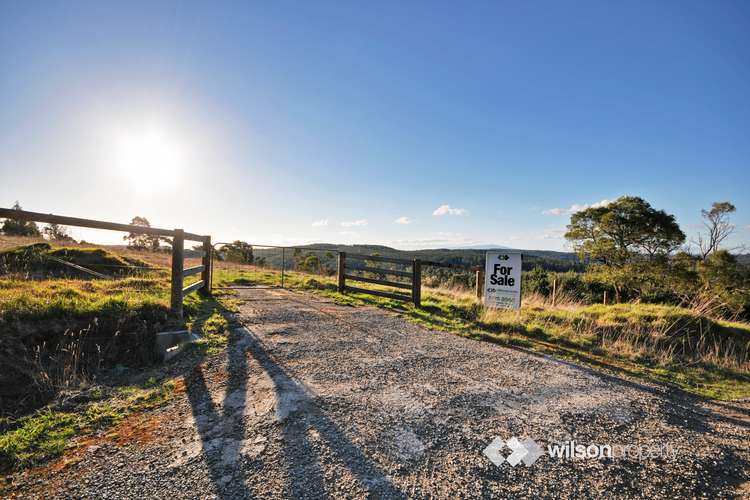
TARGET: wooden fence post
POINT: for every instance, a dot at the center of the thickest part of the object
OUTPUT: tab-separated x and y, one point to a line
416	282
554	291
178	256
342	271
206	274
605	297
479	284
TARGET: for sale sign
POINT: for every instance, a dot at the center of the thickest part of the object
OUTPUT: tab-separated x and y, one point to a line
502	280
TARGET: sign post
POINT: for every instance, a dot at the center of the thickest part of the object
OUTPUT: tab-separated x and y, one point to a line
502	280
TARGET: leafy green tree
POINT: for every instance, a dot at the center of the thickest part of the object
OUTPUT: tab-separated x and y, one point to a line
18	227
624	231
723	278
238	251
310	263
630	240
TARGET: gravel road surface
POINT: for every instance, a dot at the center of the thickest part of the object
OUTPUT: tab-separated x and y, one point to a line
314	399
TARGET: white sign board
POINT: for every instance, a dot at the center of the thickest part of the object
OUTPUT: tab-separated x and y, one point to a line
502	280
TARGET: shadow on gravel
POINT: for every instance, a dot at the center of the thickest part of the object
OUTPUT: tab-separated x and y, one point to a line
222	432
301	418
222	452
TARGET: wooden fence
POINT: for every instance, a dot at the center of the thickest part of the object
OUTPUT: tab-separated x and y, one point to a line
345	270
178	290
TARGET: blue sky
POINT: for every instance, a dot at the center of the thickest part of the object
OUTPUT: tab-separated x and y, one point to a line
291	122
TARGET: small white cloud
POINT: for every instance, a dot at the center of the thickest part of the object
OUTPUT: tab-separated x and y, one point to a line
320	223
553	211
575	208
403	220
448	210
354	223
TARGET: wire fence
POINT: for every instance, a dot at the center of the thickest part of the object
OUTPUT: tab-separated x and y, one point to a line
279	261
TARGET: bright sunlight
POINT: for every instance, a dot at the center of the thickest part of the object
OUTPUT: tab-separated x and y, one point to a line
151	159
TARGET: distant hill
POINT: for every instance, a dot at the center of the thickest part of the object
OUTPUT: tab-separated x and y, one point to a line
555	261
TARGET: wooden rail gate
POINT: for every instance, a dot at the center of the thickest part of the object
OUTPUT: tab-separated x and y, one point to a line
345	270
178	291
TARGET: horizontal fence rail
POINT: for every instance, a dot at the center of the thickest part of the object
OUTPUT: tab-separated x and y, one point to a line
178	249
11	213
376	281
345	270
393	272
193	270
378	258
192	288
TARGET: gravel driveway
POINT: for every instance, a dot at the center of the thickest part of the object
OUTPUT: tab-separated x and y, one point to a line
315	399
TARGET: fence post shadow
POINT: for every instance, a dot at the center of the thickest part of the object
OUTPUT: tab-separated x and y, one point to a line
222	451
304	467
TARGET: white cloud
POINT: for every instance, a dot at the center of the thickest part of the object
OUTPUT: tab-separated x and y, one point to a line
553	211
575	208
320	223
403	220
448	210
354	223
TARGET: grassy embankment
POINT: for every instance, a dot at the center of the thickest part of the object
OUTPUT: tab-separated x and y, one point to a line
704	356
50	311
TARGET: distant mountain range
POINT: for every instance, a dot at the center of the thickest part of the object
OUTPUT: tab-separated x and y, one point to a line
557	261
471	255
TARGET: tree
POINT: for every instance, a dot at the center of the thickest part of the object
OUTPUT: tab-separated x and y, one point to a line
238	251
18	227
718	227
624	231
310	264
629	239
140	241
724	279
56	232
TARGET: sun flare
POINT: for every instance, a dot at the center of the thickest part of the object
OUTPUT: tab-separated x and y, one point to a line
150	159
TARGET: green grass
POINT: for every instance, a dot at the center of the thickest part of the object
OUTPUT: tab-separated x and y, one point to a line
47	307
659	343
207	317
47	433
36	438
39	300
37	259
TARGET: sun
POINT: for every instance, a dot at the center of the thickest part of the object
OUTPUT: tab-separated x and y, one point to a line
150	159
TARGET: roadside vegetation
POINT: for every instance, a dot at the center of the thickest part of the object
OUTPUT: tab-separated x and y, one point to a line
77	351
71	391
